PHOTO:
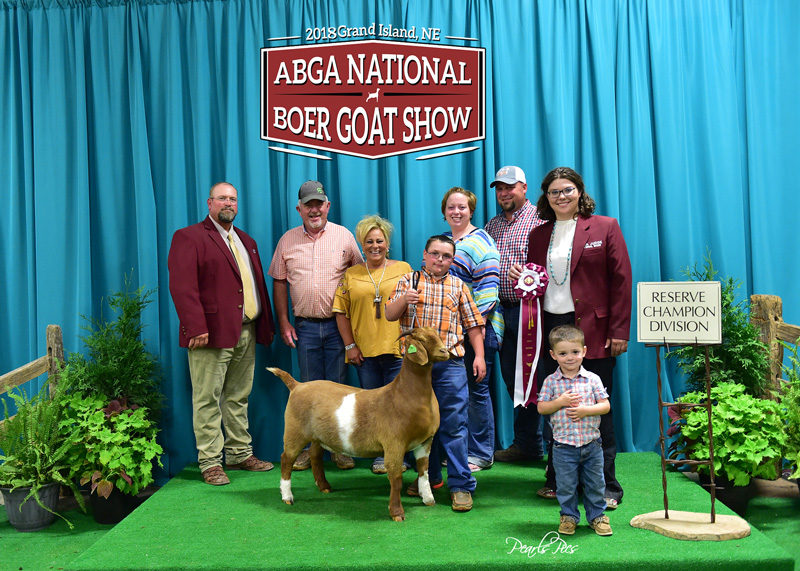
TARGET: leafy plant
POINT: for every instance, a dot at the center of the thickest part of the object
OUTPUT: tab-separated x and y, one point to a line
790	401
741	358
117	363
749	433
35	449
116	445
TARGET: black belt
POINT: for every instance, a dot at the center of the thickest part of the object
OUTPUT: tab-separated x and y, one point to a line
314	319
509	304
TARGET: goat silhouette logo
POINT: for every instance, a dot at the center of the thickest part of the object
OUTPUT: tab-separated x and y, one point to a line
373	98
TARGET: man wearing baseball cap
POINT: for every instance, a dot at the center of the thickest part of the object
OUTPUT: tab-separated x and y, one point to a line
308	263
510	230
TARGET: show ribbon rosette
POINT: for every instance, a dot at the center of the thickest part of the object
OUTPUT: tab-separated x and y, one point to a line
529	288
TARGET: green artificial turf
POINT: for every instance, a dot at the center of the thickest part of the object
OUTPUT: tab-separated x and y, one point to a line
190	525
779	520
50	548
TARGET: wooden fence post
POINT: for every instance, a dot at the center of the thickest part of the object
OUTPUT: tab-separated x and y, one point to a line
55	352
766	312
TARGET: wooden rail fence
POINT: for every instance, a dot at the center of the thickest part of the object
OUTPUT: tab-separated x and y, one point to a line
48	363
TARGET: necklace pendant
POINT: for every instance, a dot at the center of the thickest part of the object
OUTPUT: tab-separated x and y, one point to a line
378	299
377	307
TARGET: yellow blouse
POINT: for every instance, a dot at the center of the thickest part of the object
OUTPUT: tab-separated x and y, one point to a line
355	296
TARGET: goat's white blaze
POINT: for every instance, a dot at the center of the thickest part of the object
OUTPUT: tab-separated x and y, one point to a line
286	490
346	420
425	489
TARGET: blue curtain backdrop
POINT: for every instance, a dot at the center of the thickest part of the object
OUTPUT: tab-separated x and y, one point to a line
118	116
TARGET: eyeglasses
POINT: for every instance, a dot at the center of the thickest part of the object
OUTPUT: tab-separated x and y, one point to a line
223	199
436	256
565	191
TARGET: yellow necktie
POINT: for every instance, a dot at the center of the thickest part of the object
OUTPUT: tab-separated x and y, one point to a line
250	306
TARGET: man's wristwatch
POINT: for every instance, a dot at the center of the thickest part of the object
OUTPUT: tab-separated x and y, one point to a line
348	347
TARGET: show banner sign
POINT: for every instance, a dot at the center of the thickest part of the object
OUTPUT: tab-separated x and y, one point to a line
680	313
373	98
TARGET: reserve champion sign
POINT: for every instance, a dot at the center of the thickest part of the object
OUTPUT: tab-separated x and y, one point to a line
680	313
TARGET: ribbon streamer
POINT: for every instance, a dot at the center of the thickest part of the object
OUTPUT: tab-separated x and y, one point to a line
530	287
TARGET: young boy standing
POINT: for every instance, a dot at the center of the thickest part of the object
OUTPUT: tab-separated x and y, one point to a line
575	398
443	301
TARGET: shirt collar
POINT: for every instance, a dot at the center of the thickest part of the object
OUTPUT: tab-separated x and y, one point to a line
522	211
431	277
314	237
581	373
224	233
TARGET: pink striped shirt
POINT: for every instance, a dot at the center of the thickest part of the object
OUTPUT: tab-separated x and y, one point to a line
313	267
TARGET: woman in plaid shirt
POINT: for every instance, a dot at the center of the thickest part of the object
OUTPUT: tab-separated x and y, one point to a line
443	301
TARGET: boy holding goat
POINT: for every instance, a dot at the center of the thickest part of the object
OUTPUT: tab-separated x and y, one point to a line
434	298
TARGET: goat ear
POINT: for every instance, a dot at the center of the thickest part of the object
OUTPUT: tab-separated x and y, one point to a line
415	351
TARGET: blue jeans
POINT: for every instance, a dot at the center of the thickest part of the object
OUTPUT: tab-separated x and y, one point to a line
450	388
527	430
583	465
320	350
378	371
480	417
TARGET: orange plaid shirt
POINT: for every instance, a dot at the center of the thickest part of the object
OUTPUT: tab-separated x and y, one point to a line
444	304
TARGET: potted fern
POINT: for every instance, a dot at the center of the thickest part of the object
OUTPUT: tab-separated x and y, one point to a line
115	451
749	438
34	463
116	363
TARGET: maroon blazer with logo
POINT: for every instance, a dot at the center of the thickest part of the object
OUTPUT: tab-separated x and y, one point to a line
600	279
206	286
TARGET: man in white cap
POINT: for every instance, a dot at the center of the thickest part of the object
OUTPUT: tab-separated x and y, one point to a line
308	263
510	230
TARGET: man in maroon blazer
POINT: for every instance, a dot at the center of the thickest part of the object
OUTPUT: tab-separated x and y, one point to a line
217	284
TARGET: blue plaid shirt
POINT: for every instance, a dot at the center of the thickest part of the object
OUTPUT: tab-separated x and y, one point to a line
591	390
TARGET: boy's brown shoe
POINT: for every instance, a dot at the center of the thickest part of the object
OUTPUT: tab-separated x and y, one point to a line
600	525
567	525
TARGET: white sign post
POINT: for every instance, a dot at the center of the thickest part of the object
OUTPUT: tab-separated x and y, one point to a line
680	313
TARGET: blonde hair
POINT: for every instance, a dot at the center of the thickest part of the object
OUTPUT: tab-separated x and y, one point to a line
369	223
570	333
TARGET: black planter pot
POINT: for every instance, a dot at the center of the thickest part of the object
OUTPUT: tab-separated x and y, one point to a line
735	497
31	517
113	509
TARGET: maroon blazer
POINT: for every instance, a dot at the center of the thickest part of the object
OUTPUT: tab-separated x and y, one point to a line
206	286
600	279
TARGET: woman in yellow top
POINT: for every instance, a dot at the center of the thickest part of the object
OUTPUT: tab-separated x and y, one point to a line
370	340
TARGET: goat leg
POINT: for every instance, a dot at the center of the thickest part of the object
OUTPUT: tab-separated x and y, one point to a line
318	469
394	470
422	454
287	459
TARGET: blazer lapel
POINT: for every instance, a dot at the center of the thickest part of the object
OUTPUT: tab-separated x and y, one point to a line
579	242
214	234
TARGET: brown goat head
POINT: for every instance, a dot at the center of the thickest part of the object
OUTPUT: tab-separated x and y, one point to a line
423	345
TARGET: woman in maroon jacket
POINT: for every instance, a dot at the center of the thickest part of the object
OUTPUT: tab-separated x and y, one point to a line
590	286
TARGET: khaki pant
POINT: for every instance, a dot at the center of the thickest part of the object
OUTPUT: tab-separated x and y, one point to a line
221	383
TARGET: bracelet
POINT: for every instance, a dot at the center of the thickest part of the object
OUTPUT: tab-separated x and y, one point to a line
348	347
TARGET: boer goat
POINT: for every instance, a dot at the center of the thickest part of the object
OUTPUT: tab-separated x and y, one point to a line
388	421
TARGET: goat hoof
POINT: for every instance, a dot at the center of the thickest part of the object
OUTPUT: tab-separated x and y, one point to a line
401	517
432	503
288	502
326	490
